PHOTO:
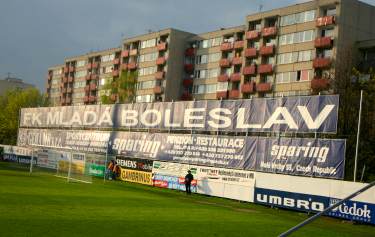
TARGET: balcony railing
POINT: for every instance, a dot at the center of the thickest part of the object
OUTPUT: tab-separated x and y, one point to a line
319	84
267	50
95	65
71	69
322	62
158	90
264	87
237	61
234	94
265	68
87	88
249	70
69	90
115	73
125	54
186	96
226	46
133	52
325	21
132	66
248	87
92	98
251	53
235	77
70	79
251	35
225	62
323	42
222	94
116	61
189	68
160	61
190	52
88	77
86	99
93	86
223	78
94	76
159	75
162	46
269	31
187	82
238	44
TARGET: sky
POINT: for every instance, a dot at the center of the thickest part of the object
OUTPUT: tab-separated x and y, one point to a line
37	34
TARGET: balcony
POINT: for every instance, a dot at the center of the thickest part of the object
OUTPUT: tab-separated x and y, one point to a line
322	62
186	96
71	69
66	69
235	77
70	79
221	94
234	94
162	46
113	97
323	42
92	98
95	65
189	52
88	77
264	87
226	46
68	100
132	66
86	99
133	52
49	77
189	68
237	61
225	62
251	35
88	66
69	90
161	61
265	69
87	88
238	44
116	61
269	31
63	90
93	87
223	78
125	54
187	82
249	70
319	84
115	73
65	79
325	21
158	90
124	66
94	76
248	87
159	75
251	53
267	50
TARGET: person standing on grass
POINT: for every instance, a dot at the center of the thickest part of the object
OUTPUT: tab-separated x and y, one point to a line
188	179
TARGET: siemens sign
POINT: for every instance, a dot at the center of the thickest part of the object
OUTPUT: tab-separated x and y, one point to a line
351	210
292	114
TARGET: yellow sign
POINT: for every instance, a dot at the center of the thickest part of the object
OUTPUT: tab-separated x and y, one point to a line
136	176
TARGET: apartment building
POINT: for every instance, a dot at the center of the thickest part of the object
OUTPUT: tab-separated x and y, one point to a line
282	52
158	58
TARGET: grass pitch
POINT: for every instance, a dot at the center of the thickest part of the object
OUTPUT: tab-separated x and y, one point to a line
43	205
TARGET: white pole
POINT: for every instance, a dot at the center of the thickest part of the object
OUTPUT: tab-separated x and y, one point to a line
70	165
31	161
358	132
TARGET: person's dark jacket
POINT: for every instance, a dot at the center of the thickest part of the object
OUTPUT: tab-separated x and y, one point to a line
188	178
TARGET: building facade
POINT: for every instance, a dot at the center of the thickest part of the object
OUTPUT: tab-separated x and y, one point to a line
287	51
11	83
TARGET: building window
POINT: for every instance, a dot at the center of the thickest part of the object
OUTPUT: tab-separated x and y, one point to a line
288	77
147	71
222	86
293	57
213	72
107	69
204	89
148	43
214	57
78	74
143	85
79	84
81	63
144	98
301	17
107	58
148	57
201	59
200	74
297	37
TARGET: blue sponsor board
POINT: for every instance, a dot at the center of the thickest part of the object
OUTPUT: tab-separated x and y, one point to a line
350	210
19	159
172	182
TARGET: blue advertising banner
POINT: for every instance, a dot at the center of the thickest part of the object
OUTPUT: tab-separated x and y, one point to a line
350	210
295	156
308	114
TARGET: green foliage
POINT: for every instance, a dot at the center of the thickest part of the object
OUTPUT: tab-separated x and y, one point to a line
10	104
122	89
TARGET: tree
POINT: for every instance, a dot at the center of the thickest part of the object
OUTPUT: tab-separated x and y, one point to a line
10	104
121	90
348	81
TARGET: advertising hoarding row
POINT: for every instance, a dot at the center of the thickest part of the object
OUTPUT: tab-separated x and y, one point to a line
306	114
135	170
295	156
